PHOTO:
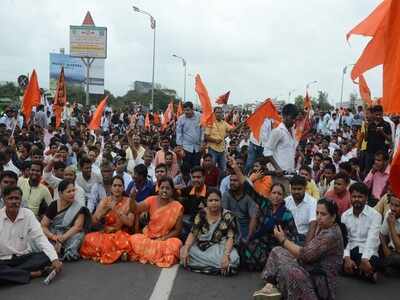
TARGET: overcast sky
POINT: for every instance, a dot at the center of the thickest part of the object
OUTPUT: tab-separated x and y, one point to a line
255	48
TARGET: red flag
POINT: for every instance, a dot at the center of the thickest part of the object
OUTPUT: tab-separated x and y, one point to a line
168	115
303	126
391	67
96	119
207	117
394	178
179	110
32	97
223	99
265	110
147	121
364	90
156	117
307	102
60	98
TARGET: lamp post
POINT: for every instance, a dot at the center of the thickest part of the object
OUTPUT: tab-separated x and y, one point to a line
290	94
184	75
310	83
153	26
341	90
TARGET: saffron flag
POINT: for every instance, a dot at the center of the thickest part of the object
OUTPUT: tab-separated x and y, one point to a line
394	178
207	116
168	115
156	118
96	119
223	99
60	98
364	90
307	102
32	97
179	110
147	121
256	120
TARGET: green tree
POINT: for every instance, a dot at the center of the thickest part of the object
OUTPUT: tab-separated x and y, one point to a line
76	93
322	101
10	90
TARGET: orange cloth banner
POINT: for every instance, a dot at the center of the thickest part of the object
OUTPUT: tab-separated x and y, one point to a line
147	121
32	97
223	99
60	98
96	119
207	117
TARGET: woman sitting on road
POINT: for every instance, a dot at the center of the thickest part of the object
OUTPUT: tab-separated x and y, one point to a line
64	222
159	244
110	244
307	272
209	247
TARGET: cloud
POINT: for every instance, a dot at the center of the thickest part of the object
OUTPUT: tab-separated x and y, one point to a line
256	48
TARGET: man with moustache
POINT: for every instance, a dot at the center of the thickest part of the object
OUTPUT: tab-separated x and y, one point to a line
363	225
19	229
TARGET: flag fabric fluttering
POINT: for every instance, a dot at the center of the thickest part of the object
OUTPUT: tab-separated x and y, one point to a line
383	25
168	115
147	121
307	102
365	92
265	110
207	116
179	110
60	98
223	99
32	97
96	118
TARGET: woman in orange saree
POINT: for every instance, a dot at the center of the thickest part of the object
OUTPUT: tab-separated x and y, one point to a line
159	243
107	246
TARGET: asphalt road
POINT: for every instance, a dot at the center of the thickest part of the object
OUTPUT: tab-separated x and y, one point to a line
133	281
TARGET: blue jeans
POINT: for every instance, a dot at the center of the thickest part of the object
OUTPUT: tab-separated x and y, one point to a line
219	159
253	153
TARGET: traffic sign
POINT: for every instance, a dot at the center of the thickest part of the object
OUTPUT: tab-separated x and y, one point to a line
23	81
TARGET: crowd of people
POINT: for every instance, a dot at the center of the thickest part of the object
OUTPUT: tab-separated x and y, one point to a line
217	200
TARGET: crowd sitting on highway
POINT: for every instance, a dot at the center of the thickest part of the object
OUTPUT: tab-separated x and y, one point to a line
216	200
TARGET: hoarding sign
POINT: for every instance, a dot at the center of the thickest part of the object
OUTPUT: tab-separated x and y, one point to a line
88	41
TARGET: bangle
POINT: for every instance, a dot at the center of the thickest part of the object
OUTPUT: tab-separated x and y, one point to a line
283	242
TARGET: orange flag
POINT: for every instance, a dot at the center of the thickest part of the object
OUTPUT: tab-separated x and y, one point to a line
223	99
96	119
168	114
179	110
394	178
156	117
207	117
147	121
60	98
391	67
32	97
265	110
307	102
364	90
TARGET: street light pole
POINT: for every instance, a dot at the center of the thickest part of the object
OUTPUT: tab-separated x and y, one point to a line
341	90
153	26
290	94
310	83
185	76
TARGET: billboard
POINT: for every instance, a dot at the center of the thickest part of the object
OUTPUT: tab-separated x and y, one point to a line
75	72
88	41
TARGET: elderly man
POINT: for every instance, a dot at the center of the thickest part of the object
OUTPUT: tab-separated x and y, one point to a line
19	229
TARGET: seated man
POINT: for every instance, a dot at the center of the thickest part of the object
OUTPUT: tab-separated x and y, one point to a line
363	224
141	185
377	178
7	179
303	208
340	194
242	206
212	173
193	198
225	182
390	237
18	228
311	187
34	194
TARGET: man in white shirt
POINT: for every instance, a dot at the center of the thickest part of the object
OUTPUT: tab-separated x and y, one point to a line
390	236
303	208
363	224
19	231
280	149
86	178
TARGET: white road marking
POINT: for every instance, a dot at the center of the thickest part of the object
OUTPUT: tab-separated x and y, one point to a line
164	284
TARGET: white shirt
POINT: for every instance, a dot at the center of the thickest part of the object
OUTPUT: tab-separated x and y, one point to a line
19	237
385	229
281	145
304	213
363	231
87	185
333	124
